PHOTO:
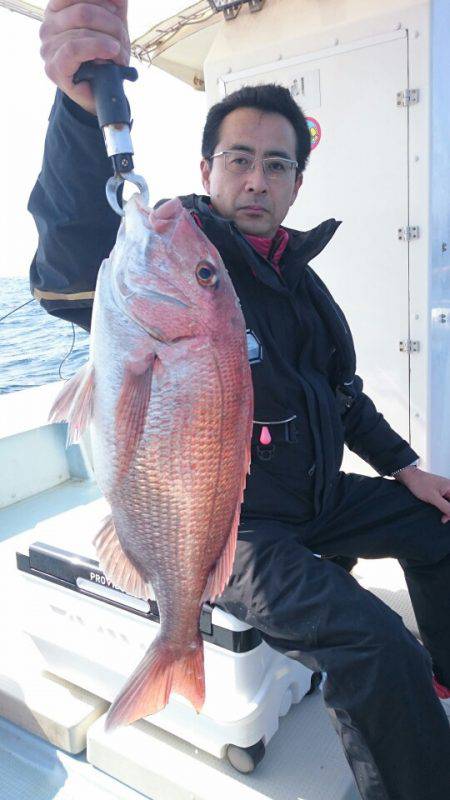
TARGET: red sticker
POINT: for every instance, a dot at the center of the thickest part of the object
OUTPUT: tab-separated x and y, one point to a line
315	131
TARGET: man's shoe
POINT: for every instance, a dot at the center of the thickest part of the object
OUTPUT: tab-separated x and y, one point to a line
444	696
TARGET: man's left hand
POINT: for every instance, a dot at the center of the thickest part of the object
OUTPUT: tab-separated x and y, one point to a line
430	488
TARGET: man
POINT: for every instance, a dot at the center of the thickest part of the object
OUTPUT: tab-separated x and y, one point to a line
380	690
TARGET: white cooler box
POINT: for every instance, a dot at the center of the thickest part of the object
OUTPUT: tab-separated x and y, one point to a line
94	635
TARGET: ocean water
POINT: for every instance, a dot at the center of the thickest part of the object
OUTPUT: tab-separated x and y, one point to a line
33	344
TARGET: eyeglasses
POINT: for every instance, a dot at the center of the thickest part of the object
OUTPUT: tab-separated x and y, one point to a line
240	162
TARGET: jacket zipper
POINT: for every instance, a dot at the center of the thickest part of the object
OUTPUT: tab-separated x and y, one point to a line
275	422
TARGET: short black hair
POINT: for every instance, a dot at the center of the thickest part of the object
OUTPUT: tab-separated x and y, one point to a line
269	97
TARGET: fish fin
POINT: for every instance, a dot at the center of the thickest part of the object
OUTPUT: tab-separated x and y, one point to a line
222	568
131	411
74	403
116	565
160	672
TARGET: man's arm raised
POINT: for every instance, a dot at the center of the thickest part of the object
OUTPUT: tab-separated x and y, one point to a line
74	32
76	226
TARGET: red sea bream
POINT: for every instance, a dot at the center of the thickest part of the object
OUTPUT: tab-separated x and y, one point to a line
168	391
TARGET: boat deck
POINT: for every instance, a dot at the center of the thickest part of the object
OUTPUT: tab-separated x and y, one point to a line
43	717
304	760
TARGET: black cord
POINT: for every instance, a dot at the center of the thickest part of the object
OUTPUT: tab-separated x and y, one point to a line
68	354
16	309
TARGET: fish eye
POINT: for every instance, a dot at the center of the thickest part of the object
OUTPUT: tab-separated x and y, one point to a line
206	274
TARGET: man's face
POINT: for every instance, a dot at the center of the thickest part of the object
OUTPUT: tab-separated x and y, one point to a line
256	203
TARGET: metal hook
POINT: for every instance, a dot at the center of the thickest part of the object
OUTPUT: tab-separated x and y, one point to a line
114	183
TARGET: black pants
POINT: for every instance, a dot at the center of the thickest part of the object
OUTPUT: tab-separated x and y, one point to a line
378	689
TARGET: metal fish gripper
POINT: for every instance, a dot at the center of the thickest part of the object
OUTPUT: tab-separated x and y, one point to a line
113	112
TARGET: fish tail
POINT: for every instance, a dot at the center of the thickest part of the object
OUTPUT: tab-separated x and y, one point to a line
162	671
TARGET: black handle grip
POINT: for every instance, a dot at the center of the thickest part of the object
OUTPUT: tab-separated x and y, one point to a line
107	87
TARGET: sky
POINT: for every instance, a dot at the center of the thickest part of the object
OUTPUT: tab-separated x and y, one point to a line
159	103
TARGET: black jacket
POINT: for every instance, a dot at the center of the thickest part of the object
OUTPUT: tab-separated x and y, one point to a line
300	346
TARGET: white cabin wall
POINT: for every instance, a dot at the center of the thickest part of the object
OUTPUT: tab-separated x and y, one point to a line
286	28
419	251
439	237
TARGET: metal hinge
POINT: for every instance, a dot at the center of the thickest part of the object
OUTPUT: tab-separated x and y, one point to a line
408	233
409	346
231	10
408	97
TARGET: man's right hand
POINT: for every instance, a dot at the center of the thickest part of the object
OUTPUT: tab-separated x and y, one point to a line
74	31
